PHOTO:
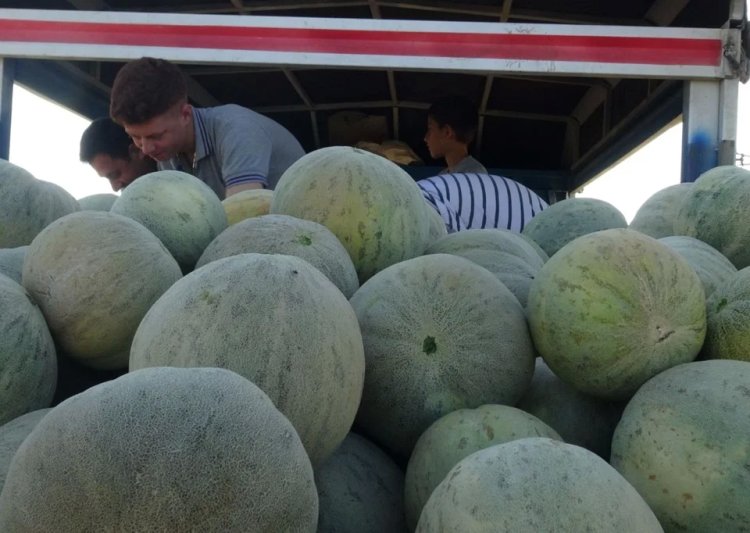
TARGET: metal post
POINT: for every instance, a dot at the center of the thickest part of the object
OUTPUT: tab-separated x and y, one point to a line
6	101
710	126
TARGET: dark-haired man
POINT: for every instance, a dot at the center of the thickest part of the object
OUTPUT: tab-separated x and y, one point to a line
110	151
228	147
451	126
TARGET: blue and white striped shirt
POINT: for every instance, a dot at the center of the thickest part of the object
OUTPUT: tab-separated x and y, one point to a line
475	201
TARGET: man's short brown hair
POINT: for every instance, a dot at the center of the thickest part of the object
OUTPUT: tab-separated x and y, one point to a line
145	88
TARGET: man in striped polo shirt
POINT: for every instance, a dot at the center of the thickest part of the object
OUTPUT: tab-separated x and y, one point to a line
475	201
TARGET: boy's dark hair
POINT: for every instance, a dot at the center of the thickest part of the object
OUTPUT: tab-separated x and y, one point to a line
104	136
145	88
458	113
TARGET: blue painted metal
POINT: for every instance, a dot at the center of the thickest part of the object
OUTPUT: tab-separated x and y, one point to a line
701	154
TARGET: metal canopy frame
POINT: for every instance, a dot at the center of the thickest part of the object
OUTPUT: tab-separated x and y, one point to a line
696	67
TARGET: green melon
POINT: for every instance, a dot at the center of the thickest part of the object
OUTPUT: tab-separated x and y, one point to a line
710	265
684	444
656	215
715	211
456	436
28	205
503	252
163	449
568	219
580	419
178	208
728	317
11	262
276	320
372	205
437	228
94	274
282	234
247	204
97	202
535	484
12	434
440	333
614	308
28	362
360	489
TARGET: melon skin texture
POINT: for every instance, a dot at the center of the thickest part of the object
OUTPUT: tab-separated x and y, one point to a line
712	267
503	252
28	361
436	224
164	449
360	489
11	262
714	211
372	205
12	434
684	444
535	484
97	202
94	275
276	320
657	214
440	333
28	205
728	317
614	308
247	204
569	219
456	436
580	419
181	210
282	234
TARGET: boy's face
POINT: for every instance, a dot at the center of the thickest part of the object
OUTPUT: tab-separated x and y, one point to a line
437	138
164	136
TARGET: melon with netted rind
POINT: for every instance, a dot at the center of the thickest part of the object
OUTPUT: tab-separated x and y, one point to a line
162	449
728	318
94	274
360	488
440	333
712	267
503	252
456	436
282	234
12	434
684	443
181	210
371	204
276	320
569	219
614	308
535	484
655	217
28	360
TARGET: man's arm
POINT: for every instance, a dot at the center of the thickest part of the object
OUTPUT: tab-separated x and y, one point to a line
234	189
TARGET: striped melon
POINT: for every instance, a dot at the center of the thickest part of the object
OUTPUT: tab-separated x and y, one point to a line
274	319
162	449
372	205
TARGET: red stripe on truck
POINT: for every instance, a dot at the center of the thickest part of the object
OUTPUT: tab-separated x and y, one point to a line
519	46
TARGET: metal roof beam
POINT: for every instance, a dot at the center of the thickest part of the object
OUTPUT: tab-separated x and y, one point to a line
663	12
85	5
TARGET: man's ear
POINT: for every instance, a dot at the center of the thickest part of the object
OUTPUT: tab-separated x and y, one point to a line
186	111
449	132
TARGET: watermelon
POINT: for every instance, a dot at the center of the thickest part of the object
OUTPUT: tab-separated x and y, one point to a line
178	208
535	484
440	333
614	308
684	444
282	234
728	319
94	274
710	265
247	204
274	319
568	219
656	216
456	436
360	489
714	210
28	363
162	449
372	205
12	434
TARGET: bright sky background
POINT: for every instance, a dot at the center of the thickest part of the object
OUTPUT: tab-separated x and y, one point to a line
45	140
